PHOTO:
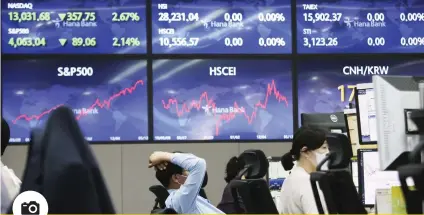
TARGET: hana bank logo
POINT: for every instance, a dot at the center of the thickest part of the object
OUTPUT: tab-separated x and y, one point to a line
372	21
349	21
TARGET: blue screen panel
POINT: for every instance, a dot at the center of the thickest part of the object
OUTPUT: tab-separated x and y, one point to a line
360	26
221	26
326	85
222	100
73	27
109	99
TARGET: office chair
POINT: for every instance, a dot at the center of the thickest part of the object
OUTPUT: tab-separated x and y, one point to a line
162	194
415	170
253	190
336	184
163	211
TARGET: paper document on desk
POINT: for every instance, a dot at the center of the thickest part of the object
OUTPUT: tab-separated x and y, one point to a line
398	202
383	201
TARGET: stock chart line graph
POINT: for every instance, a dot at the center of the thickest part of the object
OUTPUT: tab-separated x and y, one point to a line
370	170
209	103
98	103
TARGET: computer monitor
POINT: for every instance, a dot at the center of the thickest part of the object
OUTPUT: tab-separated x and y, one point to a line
275	177
394	97
352	128
371	177
365	110
276	173
331	122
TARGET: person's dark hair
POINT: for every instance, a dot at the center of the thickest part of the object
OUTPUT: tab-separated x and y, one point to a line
164	176
233	168
312	138
5	135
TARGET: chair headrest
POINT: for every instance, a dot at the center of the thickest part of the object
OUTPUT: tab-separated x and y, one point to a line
341	151
205	180
159	191
256	163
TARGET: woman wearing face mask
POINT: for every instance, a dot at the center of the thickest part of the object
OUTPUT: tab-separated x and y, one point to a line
309	148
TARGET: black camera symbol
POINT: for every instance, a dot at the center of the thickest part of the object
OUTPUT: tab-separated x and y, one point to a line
31	207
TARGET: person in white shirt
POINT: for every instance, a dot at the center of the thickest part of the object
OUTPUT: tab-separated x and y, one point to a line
182	174
10	184
309	148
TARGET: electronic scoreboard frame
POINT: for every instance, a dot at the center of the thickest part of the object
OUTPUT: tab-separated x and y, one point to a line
297	55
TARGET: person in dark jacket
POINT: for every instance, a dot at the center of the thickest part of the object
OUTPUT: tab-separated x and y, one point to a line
228	203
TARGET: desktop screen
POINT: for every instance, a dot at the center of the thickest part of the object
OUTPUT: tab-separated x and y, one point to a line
331	122
276	176
371	177
352	129
368	121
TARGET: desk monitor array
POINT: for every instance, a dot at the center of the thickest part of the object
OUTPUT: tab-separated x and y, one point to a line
331	122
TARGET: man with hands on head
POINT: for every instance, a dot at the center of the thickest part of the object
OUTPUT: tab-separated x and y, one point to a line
182	174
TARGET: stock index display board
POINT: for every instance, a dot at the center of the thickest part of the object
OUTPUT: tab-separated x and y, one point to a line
194	101
186	70
360	26
107	105
73	26
215	26
325	85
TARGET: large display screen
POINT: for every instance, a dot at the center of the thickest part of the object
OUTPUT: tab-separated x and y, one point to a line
222	100
360	26
327	84
198	70
221	26
109	98
73	26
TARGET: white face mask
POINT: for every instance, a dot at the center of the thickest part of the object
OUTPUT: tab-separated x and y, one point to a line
319	157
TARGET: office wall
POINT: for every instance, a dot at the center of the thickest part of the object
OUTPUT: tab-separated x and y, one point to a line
125	168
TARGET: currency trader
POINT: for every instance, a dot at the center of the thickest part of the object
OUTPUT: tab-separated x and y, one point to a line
182	174
309	148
